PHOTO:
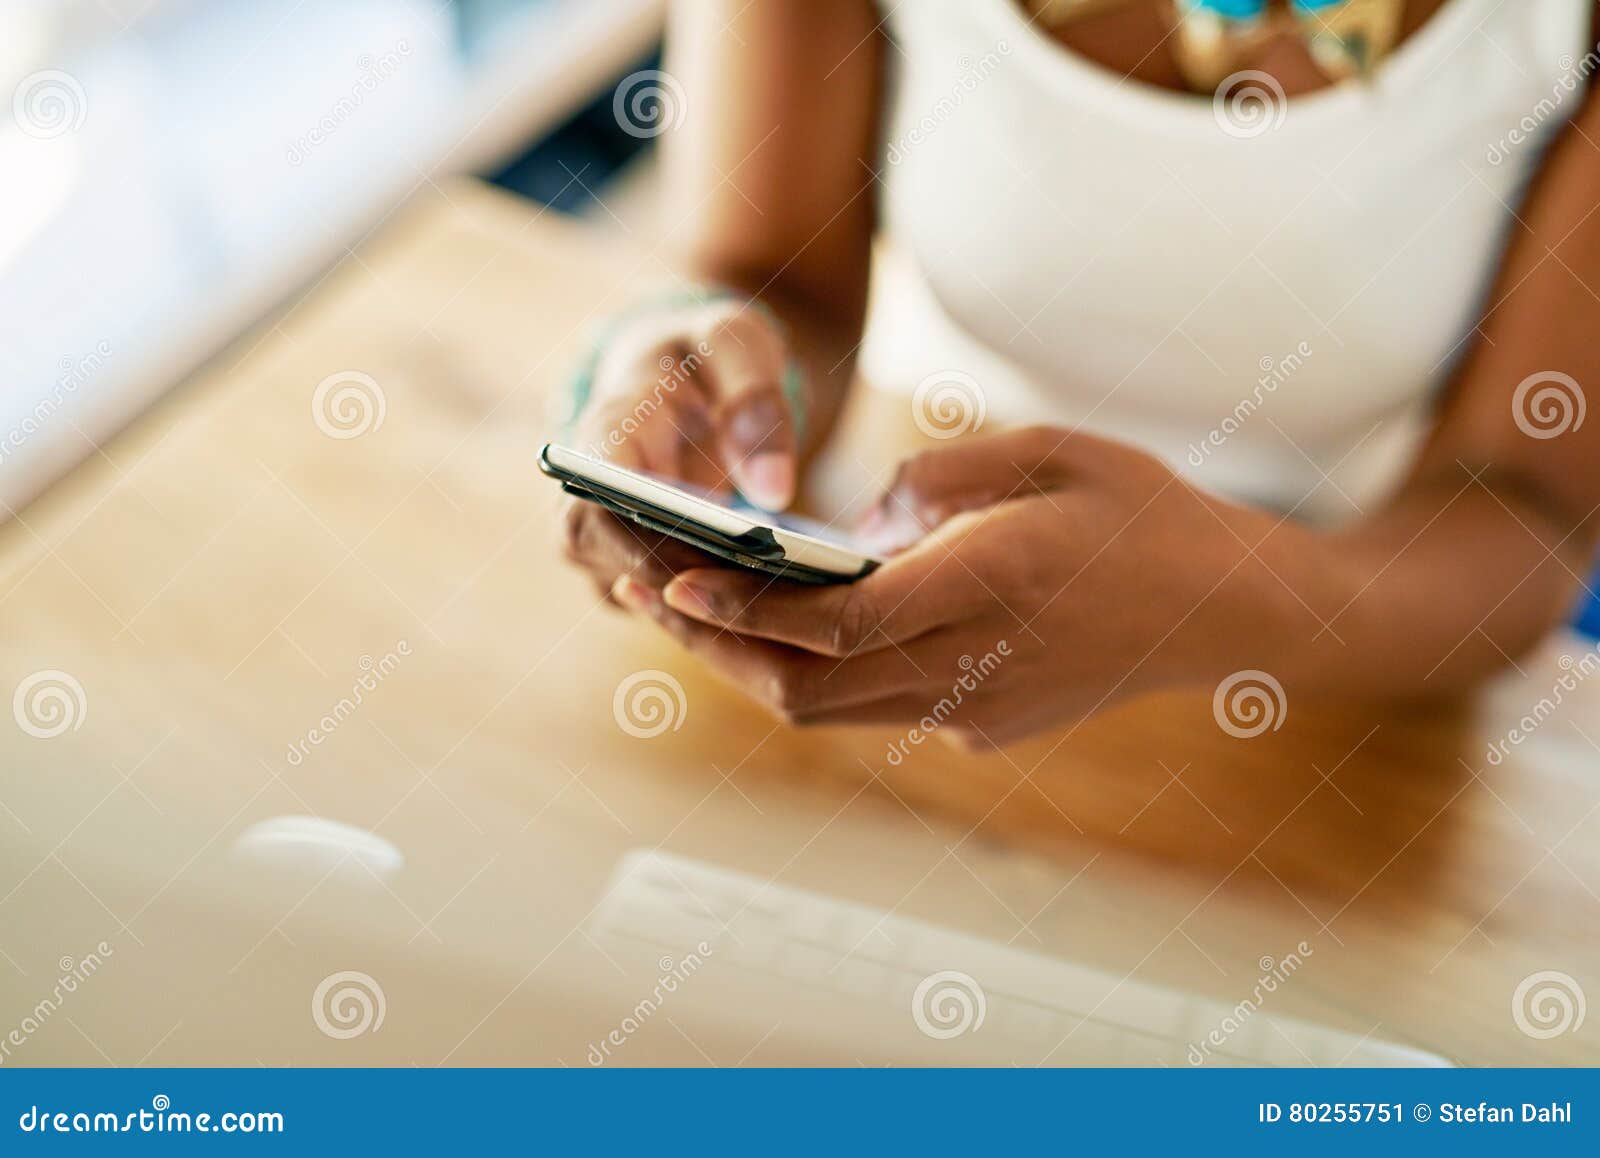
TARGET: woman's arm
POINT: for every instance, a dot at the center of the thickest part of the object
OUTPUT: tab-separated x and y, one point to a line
770	193
1086	571
1091	572
770	179
1493	536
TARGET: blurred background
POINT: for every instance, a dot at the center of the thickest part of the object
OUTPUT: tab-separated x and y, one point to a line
173	169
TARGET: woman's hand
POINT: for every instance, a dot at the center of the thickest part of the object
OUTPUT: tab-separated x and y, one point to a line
1051	574
693	392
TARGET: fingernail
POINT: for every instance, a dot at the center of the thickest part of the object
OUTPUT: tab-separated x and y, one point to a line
873	521
756	417
632	594
683	596
767	480
887	532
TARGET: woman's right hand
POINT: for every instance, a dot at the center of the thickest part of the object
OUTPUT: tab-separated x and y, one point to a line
691	392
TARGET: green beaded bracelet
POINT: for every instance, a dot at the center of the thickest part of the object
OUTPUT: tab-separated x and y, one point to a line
580	386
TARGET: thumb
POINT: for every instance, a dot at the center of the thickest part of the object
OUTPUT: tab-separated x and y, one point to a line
756	437
936	485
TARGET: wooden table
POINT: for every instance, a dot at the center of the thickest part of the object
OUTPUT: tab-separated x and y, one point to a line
517	871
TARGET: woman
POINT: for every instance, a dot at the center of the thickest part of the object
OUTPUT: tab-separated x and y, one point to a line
1214	301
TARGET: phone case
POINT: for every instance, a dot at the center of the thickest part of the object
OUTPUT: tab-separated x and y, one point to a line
757	548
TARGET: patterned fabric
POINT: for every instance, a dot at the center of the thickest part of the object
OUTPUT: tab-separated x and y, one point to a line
1345	37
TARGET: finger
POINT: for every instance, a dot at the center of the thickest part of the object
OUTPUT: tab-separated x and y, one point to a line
666	435
652	410
897	711
609	547
934	486
756	441
799	686
913	593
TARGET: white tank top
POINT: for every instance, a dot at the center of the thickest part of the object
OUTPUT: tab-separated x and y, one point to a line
1259	301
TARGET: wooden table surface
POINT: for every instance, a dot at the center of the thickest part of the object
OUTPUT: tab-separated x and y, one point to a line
211	584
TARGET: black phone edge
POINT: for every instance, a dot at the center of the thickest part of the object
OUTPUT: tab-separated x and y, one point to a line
757	550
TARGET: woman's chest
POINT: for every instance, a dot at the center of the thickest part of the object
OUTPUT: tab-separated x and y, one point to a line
1115	238
1137	39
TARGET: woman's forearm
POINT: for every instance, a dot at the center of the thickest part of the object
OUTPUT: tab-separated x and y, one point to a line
770	182
1490	542
1461	574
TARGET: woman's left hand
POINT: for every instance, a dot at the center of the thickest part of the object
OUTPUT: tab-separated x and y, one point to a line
1048	574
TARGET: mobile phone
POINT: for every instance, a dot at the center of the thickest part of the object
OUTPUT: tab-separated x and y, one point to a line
787	546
